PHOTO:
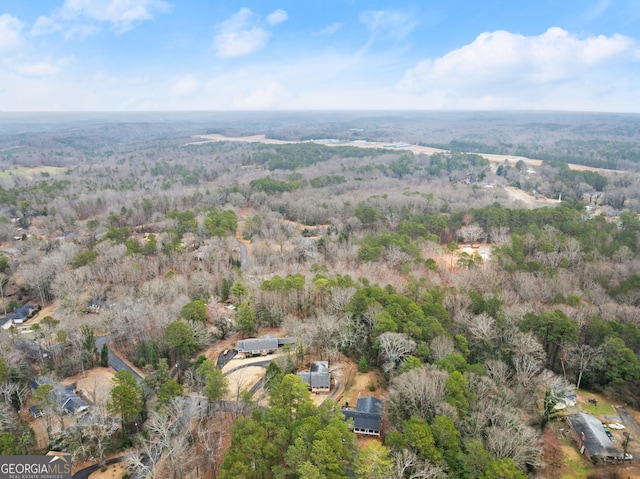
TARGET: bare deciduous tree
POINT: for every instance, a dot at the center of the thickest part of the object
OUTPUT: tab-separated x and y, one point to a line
582	358
393	348
499	235
471	234
441	347
528	357
513	439
498	371
407	465
418	392
395	257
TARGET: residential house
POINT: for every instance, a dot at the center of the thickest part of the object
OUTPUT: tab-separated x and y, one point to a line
97	305
65	397
318	377
36	411
367	416
19	315
591	437
263	345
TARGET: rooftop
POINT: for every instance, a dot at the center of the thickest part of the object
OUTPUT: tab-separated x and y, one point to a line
595	439
367	414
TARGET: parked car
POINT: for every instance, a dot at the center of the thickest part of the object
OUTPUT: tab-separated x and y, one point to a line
627	456
616	425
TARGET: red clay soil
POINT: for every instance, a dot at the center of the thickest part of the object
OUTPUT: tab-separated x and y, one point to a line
552	456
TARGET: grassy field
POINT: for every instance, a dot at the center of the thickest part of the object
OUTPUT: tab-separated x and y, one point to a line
603	408
31	173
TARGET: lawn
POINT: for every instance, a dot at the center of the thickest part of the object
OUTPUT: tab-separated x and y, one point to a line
603	408
31	173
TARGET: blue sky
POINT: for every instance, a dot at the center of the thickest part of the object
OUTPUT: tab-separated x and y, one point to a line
88	55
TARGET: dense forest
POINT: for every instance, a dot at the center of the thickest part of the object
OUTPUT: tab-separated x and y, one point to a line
477	293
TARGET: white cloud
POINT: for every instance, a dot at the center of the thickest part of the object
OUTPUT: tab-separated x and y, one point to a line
277	17
80	18
239	35
10	32
45	25
185	85
329	30
394	25
506	69
122	14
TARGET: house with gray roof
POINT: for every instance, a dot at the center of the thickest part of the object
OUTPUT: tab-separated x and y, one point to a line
318	377
19	315
65	397
264	345
367	416
592	439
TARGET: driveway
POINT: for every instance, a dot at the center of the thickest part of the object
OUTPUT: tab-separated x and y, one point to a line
264	363
223	359
629	421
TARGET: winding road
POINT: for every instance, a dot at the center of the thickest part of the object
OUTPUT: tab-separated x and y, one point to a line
87	471
114	360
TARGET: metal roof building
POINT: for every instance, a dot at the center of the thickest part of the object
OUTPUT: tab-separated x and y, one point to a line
592	439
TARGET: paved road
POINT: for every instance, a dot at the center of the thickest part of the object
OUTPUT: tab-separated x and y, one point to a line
114	361
87	471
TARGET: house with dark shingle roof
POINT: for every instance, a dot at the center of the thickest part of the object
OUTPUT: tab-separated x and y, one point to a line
318	377
65	397
266	344
263	345
367	416
19	315
592	439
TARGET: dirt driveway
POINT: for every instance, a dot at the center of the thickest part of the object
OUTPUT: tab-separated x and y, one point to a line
94	385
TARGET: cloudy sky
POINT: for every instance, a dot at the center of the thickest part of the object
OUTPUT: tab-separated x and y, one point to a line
83	55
